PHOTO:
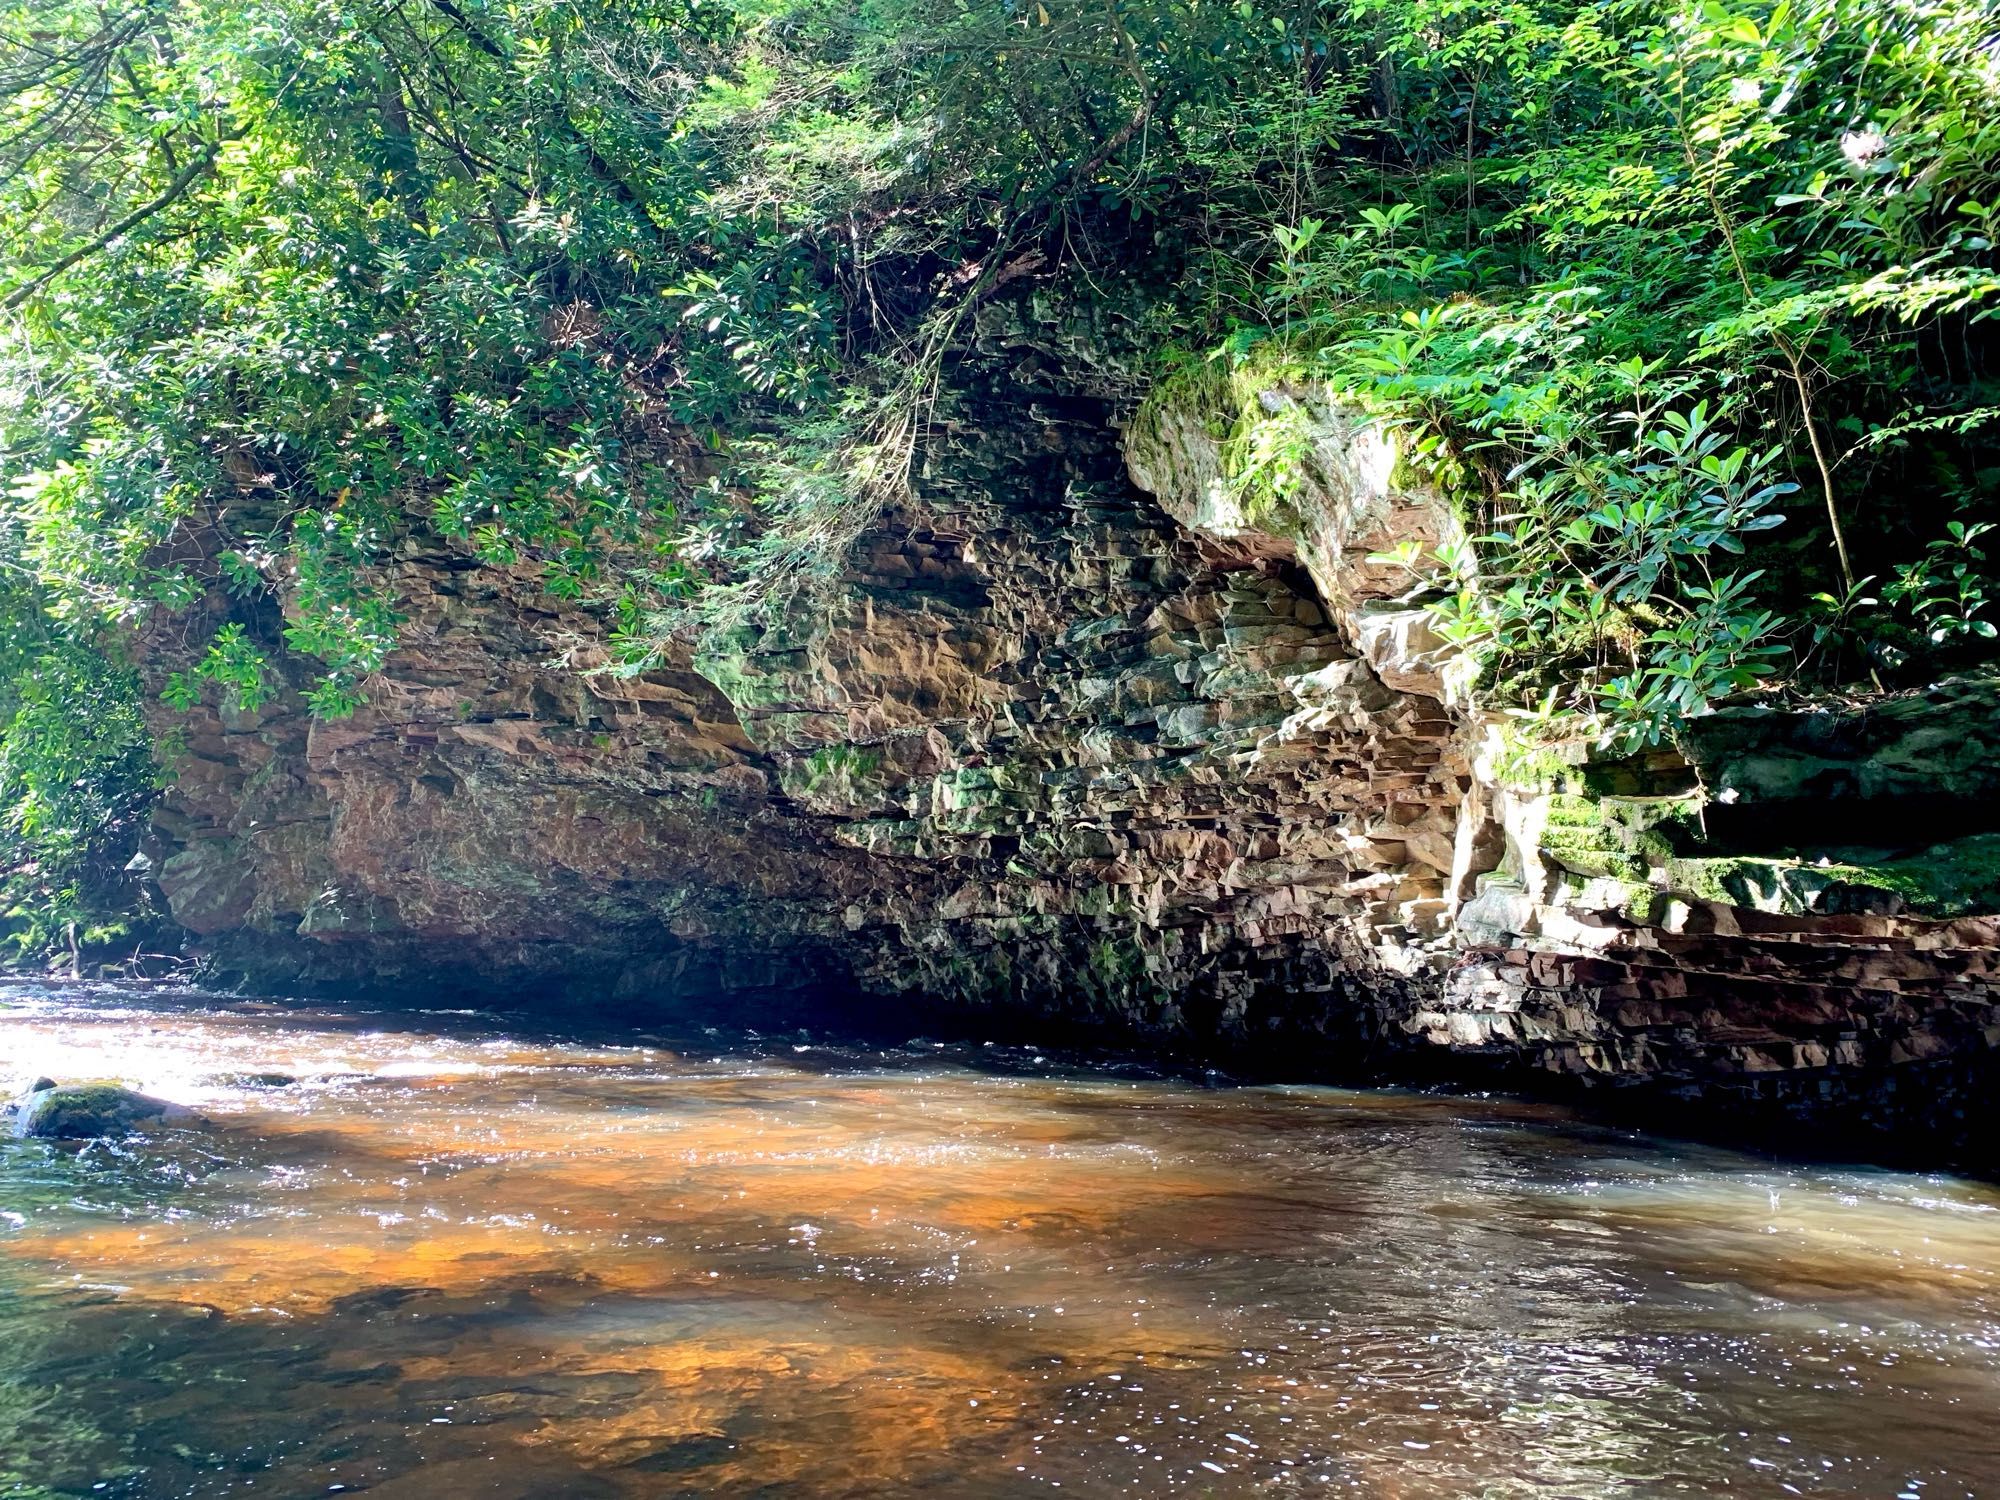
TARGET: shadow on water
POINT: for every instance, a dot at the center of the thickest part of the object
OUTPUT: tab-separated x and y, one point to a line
458	1256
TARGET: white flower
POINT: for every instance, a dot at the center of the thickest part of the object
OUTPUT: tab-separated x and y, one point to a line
1745	91
1861	147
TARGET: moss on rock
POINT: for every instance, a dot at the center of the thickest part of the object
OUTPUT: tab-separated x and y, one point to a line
1955	879
1614	837
1581	835
88	1111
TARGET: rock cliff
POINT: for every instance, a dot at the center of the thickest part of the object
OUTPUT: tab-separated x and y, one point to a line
1082	734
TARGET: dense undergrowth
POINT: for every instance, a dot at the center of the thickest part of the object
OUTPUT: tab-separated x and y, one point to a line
1687	302
1697	331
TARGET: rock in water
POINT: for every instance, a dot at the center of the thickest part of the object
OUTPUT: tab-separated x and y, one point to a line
87	1111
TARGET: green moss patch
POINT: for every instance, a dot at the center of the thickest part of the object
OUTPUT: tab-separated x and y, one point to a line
1583	837
1956	879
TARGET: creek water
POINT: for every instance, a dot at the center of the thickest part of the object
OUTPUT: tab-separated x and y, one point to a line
445	1255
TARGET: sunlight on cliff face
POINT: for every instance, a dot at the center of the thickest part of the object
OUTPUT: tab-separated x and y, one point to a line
406	1252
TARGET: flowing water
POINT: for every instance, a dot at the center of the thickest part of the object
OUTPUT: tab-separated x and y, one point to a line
457	1257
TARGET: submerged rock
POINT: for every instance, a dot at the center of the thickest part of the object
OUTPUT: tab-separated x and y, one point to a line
256	1080
88	1111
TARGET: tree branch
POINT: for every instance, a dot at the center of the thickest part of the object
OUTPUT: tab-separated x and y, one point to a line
466	24
620	186
183	180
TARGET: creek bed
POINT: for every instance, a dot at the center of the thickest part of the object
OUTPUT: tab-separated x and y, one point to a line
444	1255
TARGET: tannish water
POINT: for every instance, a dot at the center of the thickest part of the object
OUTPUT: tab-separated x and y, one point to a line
455	1257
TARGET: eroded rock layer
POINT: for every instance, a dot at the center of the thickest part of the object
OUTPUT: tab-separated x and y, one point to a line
1062	745
493	819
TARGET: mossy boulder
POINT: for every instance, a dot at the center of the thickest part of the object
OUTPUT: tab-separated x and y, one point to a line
1258	461
91	1111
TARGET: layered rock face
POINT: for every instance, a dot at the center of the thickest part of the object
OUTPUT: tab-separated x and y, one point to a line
1076	736
493	820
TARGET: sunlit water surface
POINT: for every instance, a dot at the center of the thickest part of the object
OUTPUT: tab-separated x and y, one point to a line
458	1258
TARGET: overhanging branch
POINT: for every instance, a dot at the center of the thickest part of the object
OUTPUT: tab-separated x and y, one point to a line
183	180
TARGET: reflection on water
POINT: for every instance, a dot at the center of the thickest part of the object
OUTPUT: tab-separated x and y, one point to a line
448	1260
